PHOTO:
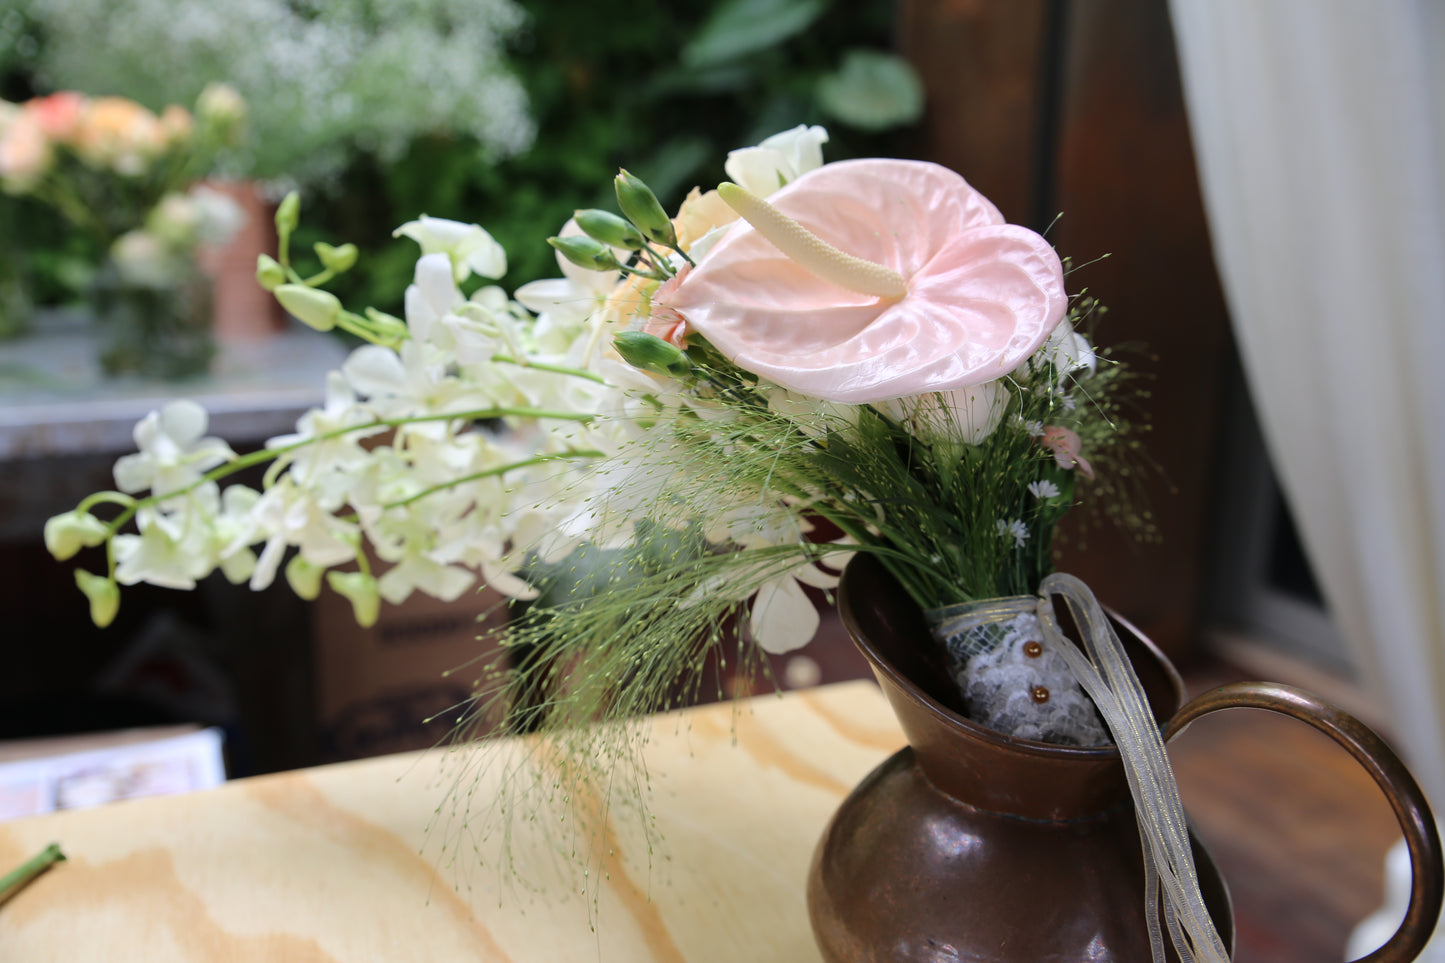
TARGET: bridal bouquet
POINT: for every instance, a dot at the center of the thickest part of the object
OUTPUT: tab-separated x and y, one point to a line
655	441
704	414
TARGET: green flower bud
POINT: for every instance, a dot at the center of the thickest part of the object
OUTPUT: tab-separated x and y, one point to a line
360	589
586	252
311	306
336	259
67	534
304	578
387	326
288	213
651	353
269	272
104	596
608	228
641	207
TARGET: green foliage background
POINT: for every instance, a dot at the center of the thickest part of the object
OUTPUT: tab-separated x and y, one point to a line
663	89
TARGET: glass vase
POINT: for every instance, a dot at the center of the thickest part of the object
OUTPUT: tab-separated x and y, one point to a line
151	328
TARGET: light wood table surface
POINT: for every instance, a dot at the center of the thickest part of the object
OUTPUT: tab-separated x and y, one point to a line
352	862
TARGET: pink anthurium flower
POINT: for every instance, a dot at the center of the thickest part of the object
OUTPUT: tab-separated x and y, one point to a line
970	297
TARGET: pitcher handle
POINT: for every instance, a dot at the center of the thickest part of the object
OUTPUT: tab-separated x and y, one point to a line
1411	810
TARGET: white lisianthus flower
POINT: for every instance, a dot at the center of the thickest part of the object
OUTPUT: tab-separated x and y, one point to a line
1067	350
778	160
813	416
174	452
782	617
469	247
145	260
218	217
968	415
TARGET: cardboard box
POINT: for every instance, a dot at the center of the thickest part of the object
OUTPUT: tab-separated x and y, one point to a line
403	683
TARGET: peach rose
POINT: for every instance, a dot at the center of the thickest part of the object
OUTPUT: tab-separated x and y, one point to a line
120	134
58	114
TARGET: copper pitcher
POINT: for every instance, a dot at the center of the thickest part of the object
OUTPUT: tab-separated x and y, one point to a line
971	845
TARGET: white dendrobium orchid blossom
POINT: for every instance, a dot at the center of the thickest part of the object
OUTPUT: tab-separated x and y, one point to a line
328	439
174	549
431	297
290	515
469	247
174	453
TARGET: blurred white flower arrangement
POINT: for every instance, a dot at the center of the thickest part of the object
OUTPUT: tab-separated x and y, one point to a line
324	79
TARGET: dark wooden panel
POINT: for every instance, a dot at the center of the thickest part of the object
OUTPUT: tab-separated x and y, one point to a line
980	64
1127	186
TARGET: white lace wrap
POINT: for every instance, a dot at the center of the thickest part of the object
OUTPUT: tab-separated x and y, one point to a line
1013	680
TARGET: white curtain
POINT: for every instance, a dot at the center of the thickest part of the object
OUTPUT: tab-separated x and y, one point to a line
1319	128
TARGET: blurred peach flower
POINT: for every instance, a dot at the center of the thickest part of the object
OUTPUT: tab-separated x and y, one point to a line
58	114
25	152
700	214
119	133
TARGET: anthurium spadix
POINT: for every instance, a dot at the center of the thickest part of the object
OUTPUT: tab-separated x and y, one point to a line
869	280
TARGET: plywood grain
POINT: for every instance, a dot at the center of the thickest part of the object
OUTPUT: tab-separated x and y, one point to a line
355	862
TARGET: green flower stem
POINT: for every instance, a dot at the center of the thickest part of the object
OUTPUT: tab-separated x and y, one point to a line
553	368
650	275
18	878
493	472
685	257
268	454
657	259
115	498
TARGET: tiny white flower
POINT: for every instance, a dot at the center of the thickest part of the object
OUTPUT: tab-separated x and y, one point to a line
1013	528
1043	489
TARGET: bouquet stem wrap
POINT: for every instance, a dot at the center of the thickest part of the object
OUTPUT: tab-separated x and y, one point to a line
1011	678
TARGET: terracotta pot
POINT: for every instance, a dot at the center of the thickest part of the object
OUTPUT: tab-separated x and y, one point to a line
971	845
244	311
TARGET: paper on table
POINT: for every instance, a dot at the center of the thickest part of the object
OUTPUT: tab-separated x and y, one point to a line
76	780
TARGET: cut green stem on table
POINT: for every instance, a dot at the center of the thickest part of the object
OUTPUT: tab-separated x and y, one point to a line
24	874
